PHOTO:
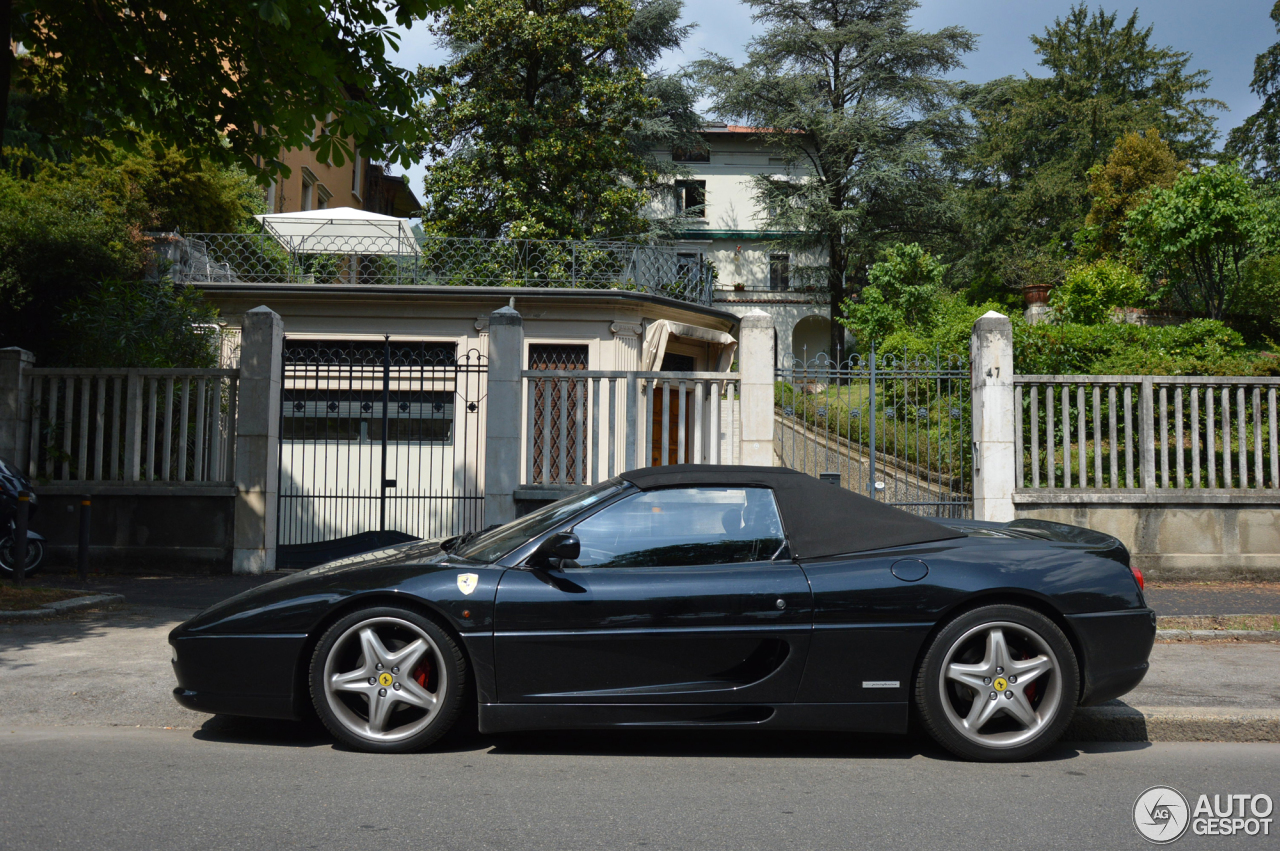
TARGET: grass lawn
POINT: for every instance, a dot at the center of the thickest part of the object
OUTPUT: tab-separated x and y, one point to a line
14	599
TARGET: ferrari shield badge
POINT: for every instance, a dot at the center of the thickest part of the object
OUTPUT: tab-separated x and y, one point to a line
467	582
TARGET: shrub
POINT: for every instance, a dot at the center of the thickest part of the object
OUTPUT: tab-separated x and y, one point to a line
150	324
1092	289
1198	347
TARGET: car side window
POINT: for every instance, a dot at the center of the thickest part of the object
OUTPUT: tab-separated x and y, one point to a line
683	526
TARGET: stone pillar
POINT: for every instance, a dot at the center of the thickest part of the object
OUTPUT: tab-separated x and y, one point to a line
258	442
15	406
756	359
502	442
991	362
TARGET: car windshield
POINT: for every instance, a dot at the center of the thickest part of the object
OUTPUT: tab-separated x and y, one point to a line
494	544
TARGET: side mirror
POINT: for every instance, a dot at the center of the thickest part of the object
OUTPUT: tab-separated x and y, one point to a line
560	547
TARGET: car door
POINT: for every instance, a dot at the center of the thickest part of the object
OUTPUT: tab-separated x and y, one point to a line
681	595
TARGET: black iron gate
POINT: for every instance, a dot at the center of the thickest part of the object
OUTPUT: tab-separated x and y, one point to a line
380	442
897	430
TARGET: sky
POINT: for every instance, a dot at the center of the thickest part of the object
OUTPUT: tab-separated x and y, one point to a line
1223	37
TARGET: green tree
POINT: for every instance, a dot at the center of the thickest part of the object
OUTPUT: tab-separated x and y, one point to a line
66	227
673	120
1256	142
234	82
1136	164
535	125
856	102
1195	236
1037	138
902	292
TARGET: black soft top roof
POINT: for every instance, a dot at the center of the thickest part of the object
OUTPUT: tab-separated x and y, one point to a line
821	519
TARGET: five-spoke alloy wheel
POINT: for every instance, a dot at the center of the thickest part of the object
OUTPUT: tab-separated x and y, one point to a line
388	680
998	683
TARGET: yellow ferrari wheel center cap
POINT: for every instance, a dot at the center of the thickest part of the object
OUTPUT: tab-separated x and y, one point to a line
384	679
1001	683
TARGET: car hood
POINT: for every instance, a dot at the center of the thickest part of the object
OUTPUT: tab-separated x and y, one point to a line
327	584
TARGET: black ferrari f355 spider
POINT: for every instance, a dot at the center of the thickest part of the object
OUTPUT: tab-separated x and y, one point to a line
691	596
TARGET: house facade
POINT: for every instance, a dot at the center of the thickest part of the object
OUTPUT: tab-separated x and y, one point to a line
723	221
359	183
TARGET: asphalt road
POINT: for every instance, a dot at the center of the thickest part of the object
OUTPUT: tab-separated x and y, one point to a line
245	788
85	763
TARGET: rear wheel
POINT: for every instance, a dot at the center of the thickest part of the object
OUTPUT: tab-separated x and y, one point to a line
387	680
8	558
998	684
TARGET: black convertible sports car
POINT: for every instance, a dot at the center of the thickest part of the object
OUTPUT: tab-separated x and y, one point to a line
691	596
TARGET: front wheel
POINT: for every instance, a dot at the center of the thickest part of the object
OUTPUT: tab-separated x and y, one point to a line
998	684
8	558
387	680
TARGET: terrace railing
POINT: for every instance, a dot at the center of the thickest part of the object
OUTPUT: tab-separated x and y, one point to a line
1145	433
173	426
203	258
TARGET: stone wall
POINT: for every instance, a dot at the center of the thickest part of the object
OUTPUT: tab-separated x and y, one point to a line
1201	537
138	530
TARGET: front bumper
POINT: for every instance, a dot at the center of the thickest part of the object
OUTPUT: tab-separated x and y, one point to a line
1115	648
254	675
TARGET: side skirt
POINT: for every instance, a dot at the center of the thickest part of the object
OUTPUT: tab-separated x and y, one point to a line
846	717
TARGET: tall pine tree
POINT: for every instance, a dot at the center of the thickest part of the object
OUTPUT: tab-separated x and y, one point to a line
856	101
1256	142
1038	137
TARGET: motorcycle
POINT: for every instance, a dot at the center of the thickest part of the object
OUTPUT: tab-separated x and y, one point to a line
11	482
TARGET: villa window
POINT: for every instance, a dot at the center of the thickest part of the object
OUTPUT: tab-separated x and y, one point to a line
308	189
779	271
691	198
688	266
701	154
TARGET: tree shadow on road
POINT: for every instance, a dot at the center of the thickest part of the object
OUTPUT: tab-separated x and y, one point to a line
95	624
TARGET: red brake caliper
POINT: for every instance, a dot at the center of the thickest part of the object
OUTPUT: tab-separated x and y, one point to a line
421	673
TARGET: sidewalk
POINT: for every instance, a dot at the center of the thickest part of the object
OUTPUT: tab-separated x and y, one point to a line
1216	598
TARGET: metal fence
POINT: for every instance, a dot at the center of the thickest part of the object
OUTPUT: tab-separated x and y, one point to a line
133	425
1129	432
381	436
897	430
584	426
442	261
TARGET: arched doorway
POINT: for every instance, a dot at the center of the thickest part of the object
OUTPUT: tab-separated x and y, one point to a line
810	337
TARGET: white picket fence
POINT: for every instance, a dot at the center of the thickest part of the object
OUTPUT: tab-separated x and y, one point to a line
133	425
1109	432
584	426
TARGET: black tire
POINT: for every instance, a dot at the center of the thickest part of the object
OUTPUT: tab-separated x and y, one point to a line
35	557
347	710
1022	718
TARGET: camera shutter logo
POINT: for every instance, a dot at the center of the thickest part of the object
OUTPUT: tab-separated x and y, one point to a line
1161	814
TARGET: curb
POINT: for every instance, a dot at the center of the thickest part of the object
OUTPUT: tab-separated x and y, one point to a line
1219	634
61	607
1124	723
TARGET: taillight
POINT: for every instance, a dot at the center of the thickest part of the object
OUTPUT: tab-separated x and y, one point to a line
1137	577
